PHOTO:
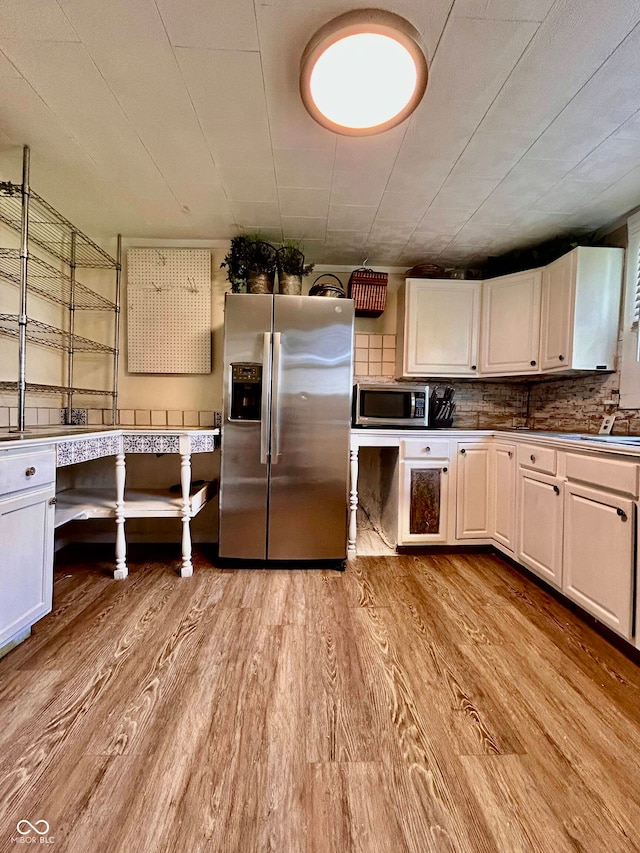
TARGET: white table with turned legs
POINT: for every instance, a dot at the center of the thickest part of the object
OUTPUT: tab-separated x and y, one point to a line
77	504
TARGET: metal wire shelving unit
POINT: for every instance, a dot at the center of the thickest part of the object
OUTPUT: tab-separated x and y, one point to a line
50	283
39	224
49	336
36	388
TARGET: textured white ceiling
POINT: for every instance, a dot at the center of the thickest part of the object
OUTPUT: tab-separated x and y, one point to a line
182	119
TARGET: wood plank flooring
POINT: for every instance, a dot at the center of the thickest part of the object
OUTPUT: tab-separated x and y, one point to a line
422	703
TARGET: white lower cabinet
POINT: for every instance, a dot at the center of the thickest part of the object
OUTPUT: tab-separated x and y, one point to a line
599	544
540	525
423	502
504	491
474	516
26	559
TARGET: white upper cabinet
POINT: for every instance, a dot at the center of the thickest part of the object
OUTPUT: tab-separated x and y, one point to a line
581	294
562	317
438	324
510	338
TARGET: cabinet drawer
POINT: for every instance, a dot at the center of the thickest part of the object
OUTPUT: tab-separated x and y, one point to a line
26	470
609	474
537	458
424	448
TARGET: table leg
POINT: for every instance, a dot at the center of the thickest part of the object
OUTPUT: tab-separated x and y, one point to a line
353	504
186	570
121	570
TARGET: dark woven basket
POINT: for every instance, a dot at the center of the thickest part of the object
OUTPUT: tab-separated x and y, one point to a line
368	289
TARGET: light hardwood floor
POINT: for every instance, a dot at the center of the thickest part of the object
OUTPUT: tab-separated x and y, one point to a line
428	703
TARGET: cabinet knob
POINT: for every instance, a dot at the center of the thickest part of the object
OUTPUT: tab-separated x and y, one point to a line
444	470
532	458
622	514
427	450
533	363
510	454
463	451
53	501
560	358
556	490
30	471
474	367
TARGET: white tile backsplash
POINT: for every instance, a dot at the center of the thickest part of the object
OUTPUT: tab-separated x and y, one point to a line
375	355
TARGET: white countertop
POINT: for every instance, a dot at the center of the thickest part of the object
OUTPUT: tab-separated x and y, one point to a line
618	444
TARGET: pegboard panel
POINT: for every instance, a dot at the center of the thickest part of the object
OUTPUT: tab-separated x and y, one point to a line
169	310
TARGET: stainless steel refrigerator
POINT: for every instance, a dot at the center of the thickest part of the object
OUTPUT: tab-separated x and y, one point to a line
285	427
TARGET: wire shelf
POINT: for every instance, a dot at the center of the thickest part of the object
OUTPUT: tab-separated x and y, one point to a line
51	230
49	336
50	283
35	388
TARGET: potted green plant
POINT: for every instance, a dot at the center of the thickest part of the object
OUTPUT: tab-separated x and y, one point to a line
260	262
235	262
291	268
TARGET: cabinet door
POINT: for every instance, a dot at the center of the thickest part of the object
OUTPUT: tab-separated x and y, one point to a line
441	328
423	503
558	294
599	540
504	466
473	499
511	324
540	525
26	560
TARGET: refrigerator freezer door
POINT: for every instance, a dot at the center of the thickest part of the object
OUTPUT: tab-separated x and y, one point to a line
243	475
310	428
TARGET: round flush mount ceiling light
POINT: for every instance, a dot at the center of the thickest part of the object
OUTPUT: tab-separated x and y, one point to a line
363	72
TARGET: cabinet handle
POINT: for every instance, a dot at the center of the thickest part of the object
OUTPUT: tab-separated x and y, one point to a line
533	364
463	451
532	458
510	454
30	471
560	358
53	501
444	470
622	514
474	367
556	490
427	450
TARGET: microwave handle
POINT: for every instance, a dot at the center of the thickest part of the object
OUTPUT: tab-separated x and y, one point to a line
413	404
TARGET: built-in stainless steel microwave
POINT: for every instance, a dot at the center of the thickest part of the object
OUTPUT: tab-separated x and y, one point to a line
388	405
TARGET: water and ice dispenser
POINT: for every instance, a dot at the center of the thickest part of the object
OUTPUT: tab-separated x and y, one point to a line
246	392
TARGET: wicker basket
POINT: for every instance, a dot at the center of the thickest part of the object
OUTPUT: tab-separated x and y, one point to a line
368	289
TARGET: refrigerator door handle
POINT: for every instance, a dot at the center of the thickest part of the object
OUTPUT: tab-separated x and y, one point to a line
264	408
275	401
